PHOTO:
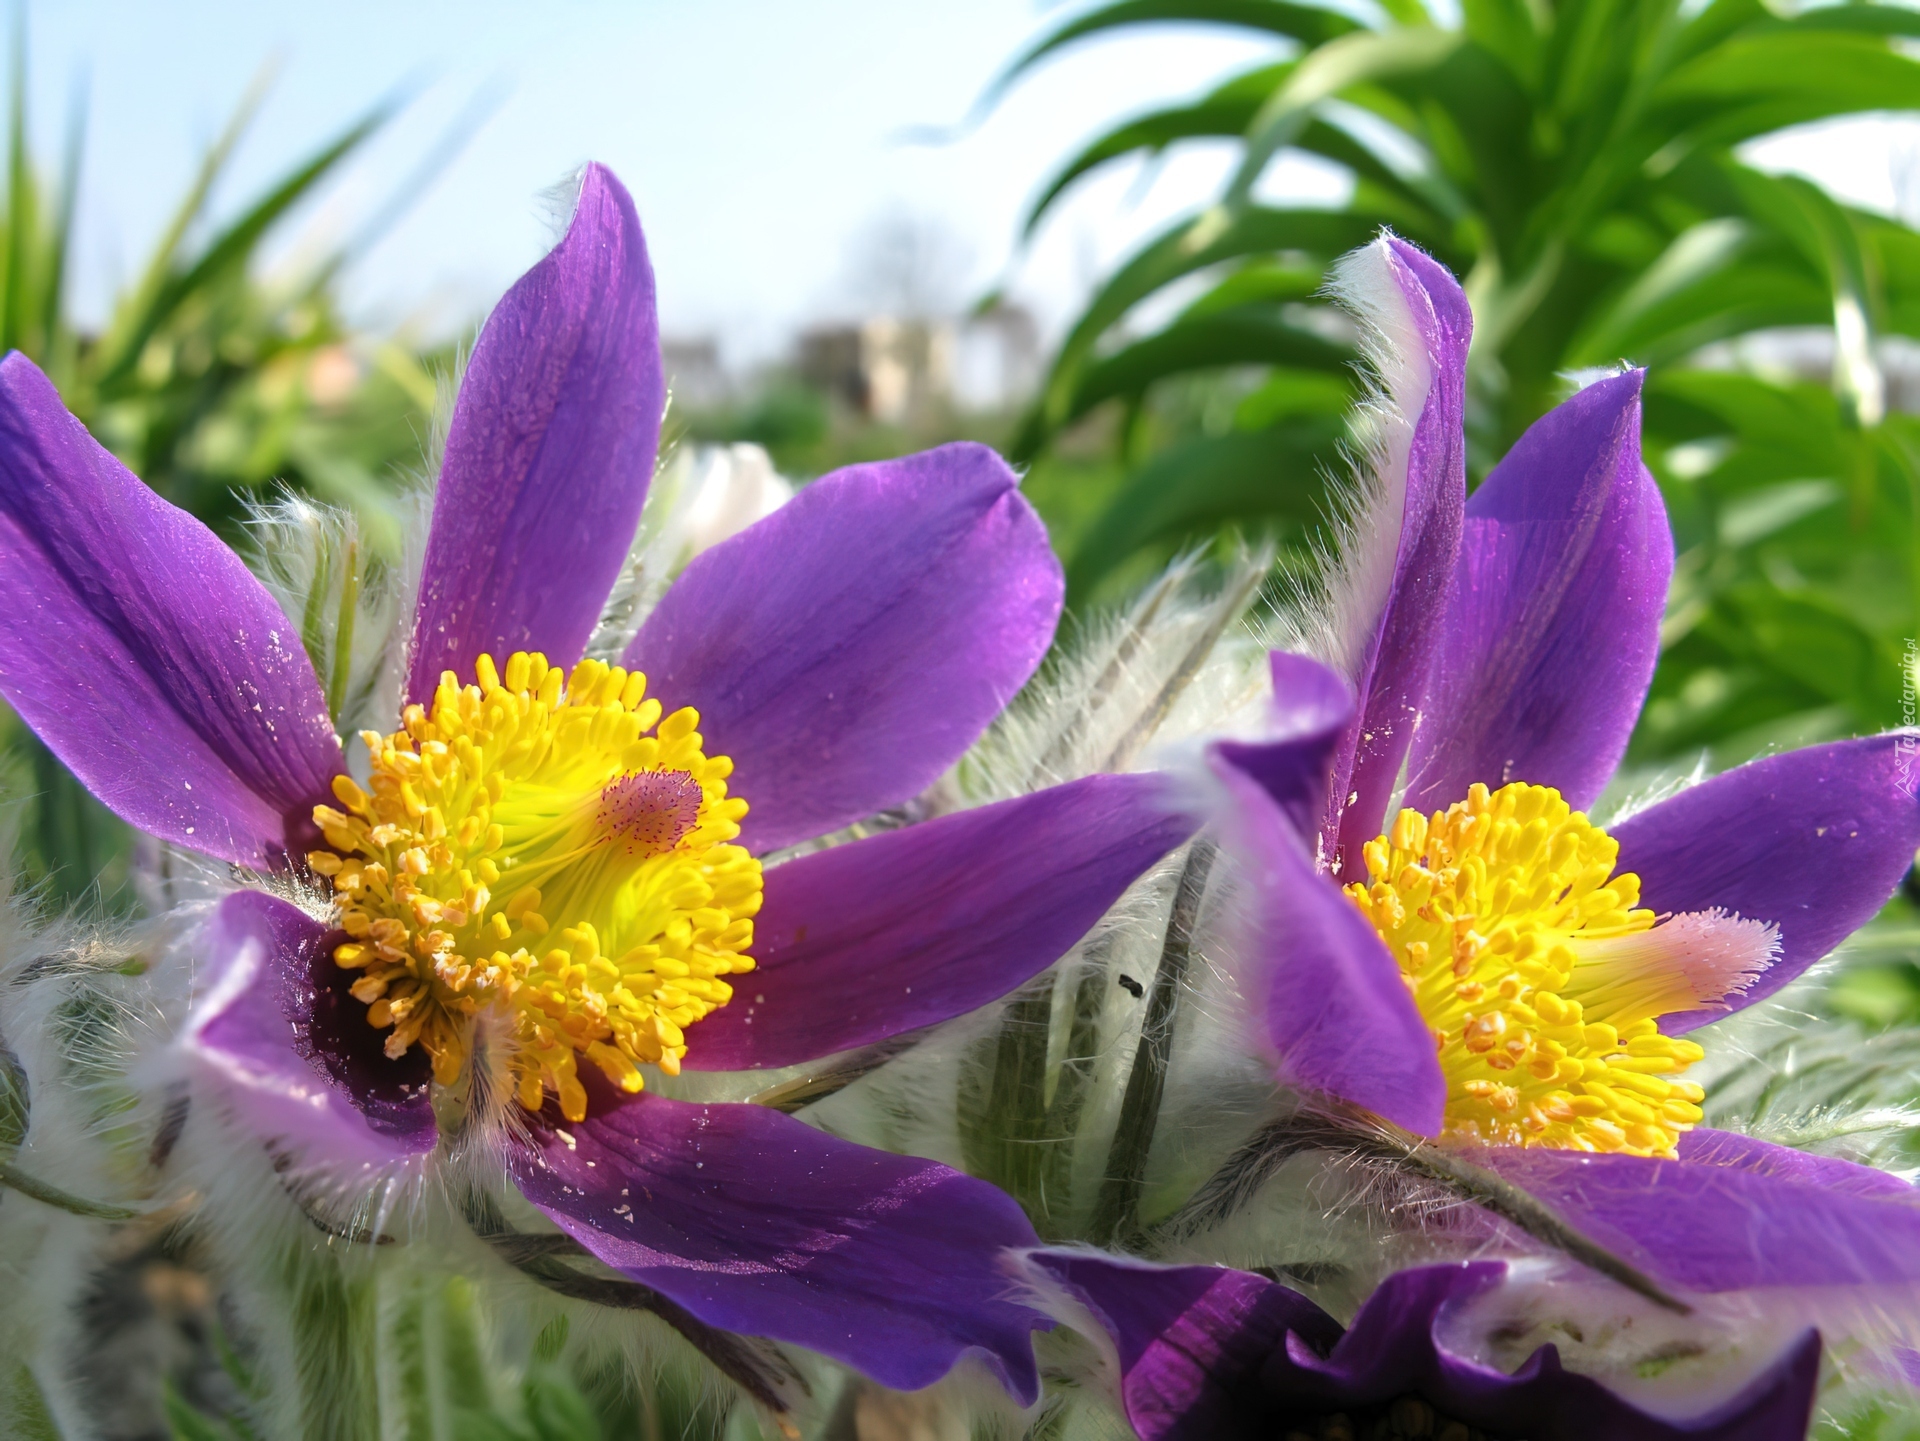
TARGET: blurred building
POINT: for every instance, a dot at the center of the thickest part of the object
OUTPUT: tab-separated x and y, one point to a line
893	370
695	375
886	369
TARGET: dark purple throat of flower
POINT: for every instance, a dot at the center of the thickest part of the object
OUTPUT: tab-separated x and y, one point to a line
550	850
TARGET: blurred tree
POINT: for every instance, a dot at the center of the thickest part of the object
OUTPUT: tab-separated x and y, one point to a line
1574	161
212	384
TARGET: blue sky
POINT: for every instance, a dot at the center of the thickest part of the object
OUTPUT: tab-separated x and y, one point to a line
761	138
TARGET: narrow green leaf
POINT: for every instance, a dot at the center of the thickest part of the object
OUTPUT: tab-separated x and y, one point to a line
24	1413
1245	336
15	1102
1226	111
349	607
407	1352
186	1423
1273	478
1309	24
334	1318
235	245
1116	1213
136	317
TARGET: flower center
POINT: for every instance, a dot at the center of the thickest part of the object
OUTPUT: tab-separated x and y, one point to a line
553	854
1539	977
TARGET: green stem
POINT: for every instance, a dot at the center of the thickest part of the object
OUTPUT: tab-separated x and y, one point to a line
13	1177
1116	1212
343	631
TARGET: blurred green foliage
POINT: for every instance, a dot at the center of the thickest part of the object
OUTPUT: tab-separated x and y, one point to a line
440	1378
1574	161
213	384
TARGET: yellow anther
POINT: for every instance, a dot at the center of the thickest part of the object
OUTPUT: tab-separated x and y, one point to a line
604	840
1536	974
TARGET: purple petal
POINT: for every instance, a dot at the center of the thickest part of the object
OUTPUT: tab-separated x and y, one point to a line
1729	1148
1215	1355
1337	1012
1814	841
1730	1214
845	650
1424	494
1311	708
551	448
914	926
1191	1339
1549	642
141	651
757	1223
297	1057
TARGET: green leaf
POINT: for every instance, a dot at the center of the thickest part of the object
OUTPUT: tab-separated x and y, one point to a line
24	1413
1271	479
15	1102
556	1411
235	245
1350	60
1829	72
186	1423
1246	336
1213	238
1309	24
1225	112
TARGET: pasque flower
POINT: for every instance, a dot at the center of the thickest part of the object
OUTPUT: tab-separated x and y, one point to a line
1488	967
557	861
1207	1352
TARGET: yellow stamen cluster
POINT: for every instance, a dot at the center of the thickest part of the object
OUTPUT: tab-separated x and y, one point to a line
544	848
1510	927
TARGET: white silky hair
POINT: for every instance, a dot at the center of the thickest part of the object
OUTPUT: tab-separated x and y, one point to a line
1356	572
78	1000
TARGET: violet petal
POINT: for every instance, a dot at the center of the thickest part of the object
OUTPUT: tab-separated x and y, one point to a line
1208	1354
548	458
911	927
294	1051
757	1223
1337	1011
1813	841
1548	645
845	650
141	650
1311	708
1430	484
1730	1214
1191	1339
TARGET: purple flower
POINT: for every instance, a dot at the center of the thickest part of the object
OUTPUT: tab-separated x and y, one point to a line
1500	973
1203	1352
552	866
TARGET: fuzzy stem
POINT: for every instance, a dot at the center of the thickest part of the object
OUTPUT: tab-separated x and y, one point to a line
754	1365
830	1080
1117	1210
1341	1130
334	1320
1148	721
343	631
16	1179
